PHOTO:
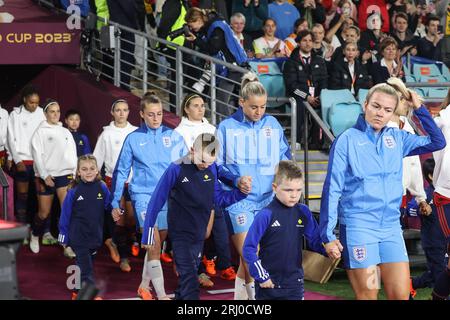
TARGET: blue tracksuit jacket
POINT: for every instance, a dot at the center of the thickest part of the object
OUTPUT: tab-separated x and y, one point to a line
82	143
252	149
363	187
82	215
191	195
149	152
279	231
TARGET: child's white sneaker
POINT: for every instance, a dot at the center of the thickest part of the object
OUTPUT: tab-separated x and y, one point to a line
34	243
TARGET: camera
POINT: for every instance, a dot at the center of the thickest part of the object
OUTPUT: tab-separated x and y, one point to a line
199	86
184	30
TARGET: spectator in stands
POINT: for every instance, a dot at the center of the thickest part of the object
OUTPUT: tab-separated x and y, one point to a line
213	36
22	123
250	120
351	34
274	255
107	150
55	162
218	6
171	20
148	151
441	197
305	75
350	73
284	14
255	12
428	46
191	188
390	64
82	217
344	11
291	41
432	237
269	46
442	7
237	23
132	15
312	11
406	40
334	35
72	120
363	188
371	38
320	47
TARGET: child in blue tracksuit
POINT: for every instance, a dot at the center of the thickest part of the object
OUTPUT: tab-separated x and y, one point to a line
82	215
192	190
279	229
72	120
433	241
147	152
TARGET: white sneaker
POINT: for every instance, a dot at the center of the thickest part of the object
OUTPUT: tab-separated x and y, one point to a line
68	252
48	239
34	243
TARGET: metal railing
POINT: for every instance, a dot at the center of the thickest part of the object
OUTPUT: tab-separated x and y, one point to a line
5	185
308	110
180	78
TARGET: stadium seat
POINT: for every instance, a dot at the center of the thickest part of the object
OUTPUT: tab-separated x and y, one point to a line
343	115
433	79
422	91
425	70
410	78
330	97
437	92
406	70
270	75
445	72
362	94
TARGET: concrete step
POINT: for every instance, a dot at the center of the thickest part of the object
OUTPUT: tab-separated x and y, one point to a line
313	155
316	165
315	190
314	205
316	175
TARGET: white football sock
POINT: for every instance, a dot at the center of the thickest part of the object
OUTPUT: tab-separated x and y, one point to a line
145	283
156	274
250	288
240	292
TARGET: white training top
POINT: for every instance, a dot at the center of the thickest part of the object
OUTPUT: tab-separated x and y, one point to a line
190	130
109	145
441	175
3	128
21	127
412	168
54	151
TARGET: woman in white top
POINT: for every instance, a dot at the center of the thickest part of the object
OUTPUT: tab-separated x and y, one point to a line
412	168
22	123
269	46
193	123
441	196
55	161
107	150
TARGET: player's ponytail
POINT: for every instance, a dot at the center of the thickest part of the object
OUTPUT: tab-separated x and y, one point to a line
250	86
